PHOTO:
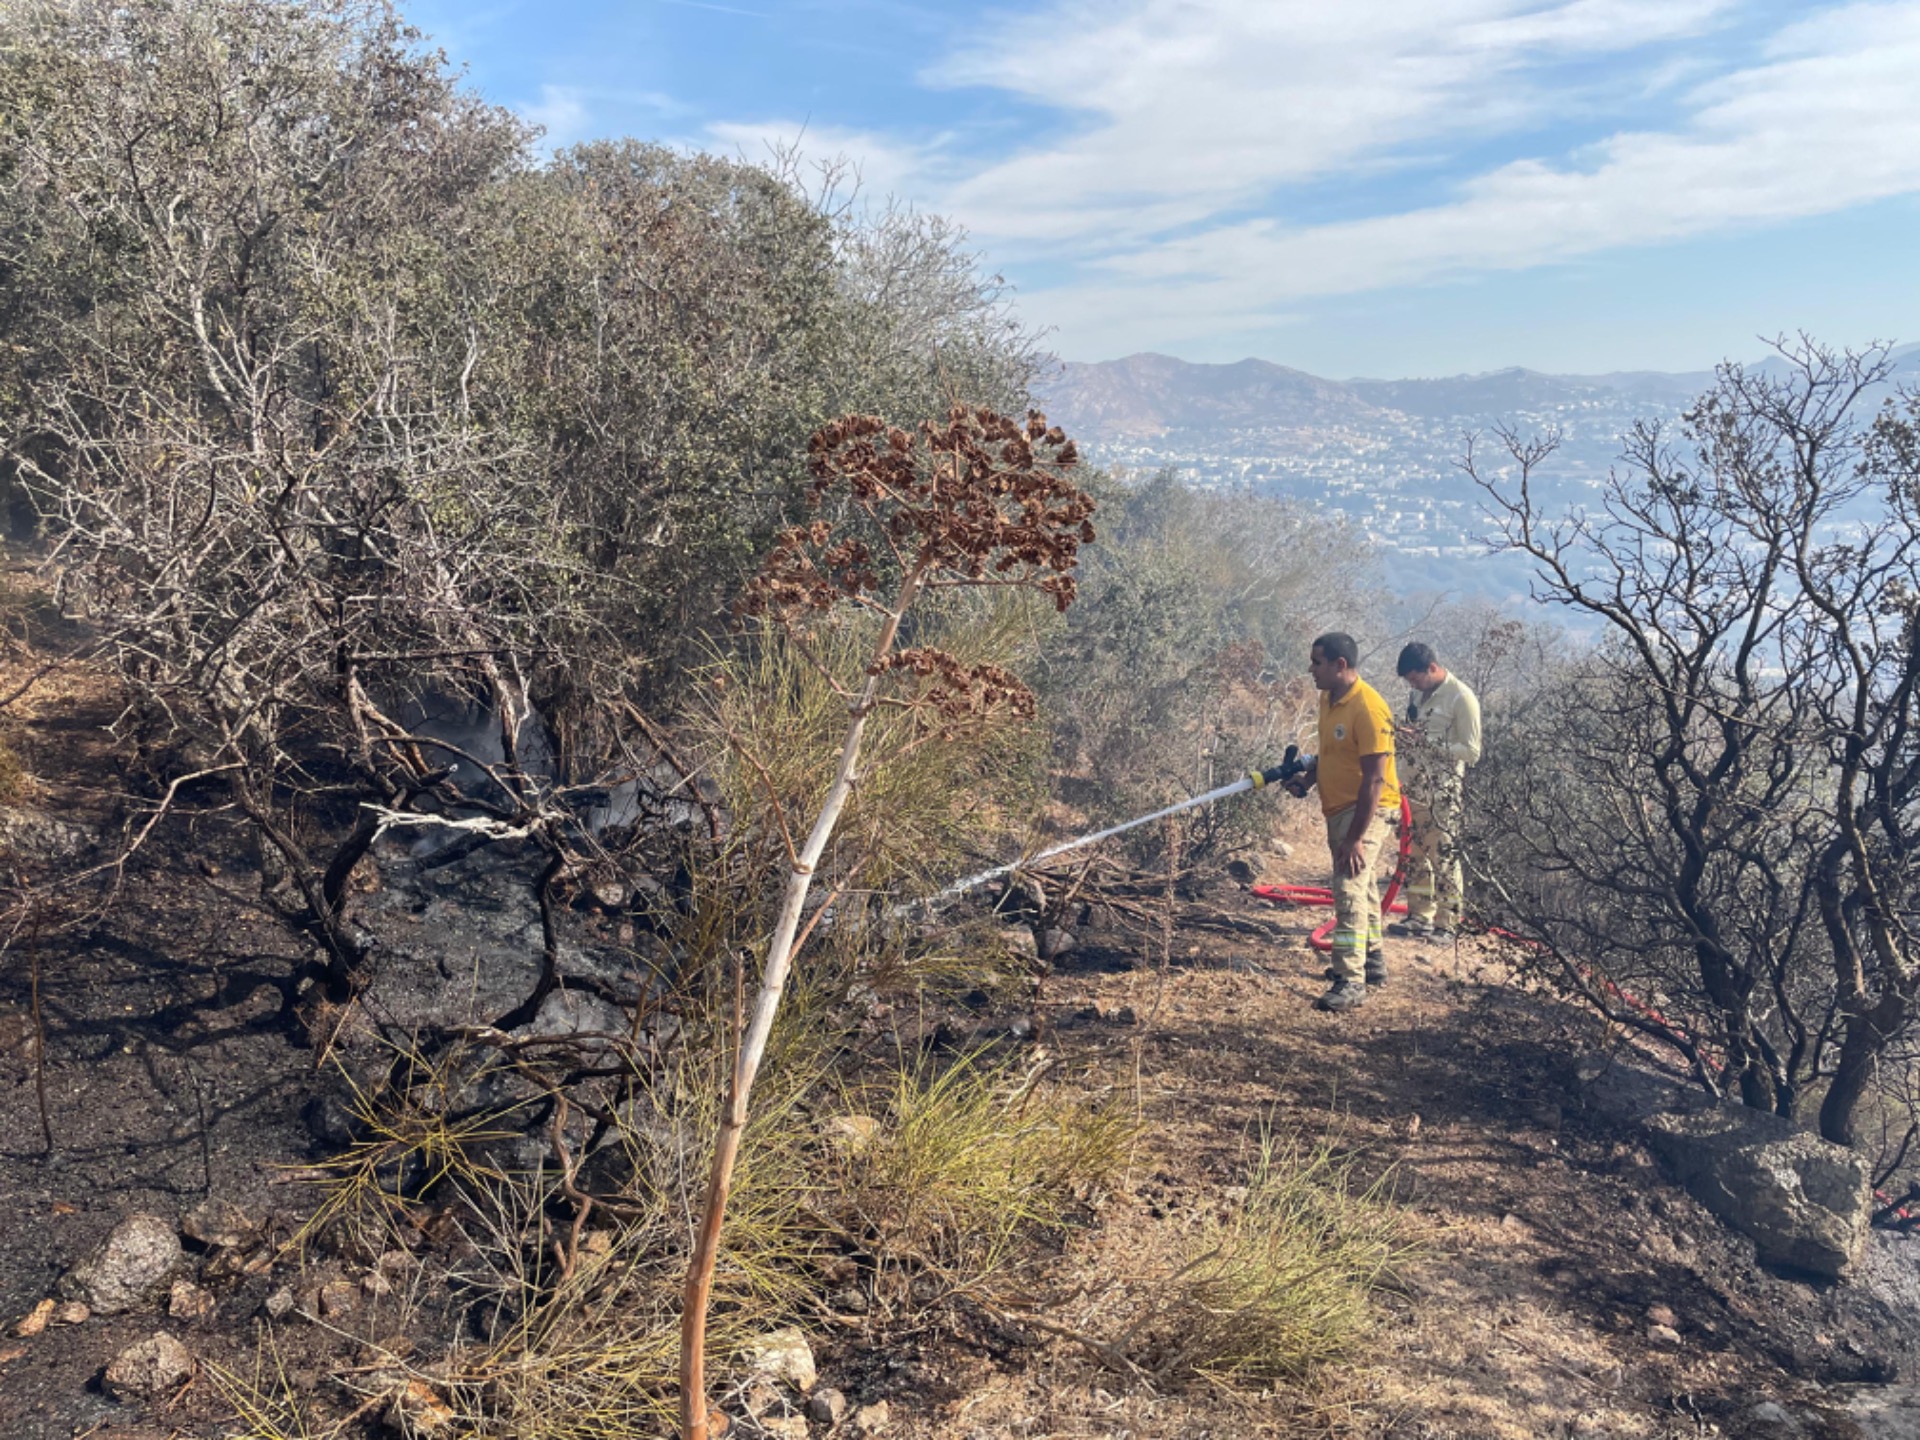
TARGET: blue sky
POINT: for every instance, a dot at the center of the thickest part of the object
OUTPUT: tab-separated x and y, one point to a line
1353	187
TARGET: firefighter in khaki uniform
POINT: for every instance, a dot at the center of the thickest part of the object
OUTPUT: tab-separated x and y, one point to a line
1360	796
1440	739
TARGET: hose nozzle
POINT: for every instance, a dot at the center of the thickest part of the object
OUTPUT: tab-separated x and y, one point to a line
1292	763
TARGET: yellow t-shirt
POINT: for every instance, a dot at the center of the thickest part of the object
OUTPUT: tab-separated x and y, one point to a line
1361	724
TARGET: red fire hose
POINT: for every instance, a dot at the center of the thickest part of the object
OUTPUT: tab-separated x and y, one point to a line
1321	939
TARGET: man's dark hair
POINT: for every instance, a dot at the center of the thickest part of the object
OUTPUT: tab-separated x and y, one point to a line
1416	656
1336	645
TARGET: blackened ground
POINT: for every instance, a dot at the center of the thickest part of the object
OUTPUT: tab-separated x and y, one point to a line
1549	1244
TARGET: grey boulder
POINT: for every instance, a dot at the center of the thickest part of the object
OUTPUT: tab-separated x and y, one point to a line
132	1268
1803	1201
149	1369
1890	1412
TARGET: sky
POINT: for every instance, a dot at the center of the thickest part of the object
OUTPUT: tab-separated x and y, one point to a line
1353	187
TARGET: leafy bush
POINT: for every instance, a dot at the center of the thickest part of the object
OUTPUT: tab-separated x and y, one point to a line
350	430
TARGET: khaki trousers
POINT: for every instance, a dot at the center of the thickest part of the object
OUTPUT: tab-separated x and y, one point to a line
1356	898
1434	879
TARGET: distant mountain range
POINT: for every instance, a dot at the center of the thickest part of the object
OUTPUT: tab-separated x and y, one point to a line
1149	395
1383	452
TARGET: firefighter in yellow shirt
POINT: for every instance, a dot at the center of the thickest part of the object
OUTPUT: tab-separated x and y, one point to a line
1360	796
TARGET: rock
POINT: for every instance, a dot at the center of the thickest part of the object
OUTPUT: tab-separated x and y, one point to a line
761	1397
29	837
849	1134
785	1355
219	1225
133	1267
279	1304
1803	1201
1661	1315
1664	1336
1017	942
1055	943
1020	1028
850	1301
337	1299
149	1369
71	1312
34	1321
784	1427
188	1301
827	1405
1887	1412
567	1013
417	1409
1770	1418
330	1121
872	1419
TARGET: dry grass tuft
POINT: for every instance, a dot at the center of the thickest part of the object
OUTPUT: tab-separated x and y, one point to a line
408	1148
592	1353
972	1160
1281	1286
266	1404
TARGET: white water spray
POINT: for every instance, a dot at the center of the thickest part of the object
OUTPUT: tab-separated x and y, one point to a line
973	882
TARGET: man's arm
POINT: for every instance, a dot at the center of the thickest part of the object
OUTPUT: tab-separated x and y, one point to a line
1373	779
1463	735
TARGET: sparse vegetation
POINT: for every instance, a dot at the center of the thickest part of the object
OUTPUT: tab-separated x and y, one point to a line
426	501
1716	809
1186	665
1281	1286
972	1158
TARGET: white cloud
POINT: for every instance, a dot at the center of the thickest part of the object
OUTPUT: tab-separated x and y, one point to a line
1829	119
1190	107
562	113
1186	125
570	114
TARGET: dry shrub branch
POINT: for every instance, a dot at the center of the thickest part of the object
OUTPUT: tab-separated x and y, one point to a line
976	500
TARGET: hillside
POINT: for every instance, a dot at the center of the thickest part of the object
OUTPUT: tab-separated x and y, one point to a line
1383	453
1147	395
1553	1283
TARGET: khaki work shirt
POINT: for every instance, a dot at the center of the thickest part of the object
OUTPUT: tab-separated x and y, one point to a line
1444	736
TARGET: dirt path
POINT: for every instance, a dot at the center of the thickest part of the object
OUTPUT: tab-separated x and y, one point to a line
1549	1247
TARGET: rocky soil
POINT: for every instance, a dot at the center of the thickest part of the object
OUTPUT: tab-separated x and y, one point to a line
1559	1282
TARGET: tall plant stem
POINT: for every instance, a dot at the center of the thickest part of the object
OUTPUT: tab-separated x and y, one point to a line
753	1046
